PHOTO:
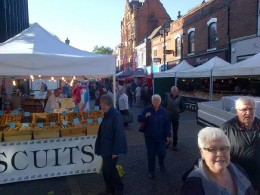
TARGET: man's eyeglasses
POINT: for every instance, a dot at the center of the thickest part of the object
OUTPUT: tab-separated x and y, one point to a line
215	150
246	109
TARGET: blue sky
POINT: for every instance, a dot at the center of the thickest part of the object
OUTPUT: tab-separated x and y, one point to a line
91	22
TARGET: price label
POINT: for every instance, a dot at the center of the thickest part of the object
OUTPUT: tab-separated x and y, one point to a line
75	109
51	110
96	107
100	120
26	124
76	120
52	124
90	120
40	125
1	112
65	122
12	125
64	113
15	112
27	114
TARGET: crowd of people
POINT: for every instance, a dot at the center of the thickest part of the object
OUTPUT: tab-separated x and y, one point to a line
230	155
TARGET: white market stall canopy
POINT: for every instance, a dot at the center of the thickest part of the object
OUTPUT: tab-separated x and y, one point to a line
35	51
184	65
250	66
204	70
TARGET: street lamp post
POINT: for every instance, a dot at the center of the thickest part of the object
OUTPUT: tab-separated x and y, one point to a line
164	32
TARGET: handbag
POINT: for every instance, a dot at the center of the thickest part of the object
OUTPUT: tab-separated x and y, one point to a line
142	127
128	118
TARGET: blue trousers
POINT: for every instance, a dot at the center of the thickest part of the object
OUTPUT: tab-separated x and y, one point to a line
155	148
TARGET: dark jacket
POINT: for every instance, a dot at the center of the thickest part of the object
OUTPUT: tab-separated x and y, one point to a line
245	146
198	181
174	106
158	125
111	137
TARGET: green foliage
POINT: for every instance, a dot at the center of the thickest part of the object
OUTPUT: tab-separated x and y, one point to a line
102	50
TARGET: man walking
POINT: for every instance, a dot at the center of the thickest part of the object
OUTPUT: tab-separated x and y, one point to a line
175	105
111	141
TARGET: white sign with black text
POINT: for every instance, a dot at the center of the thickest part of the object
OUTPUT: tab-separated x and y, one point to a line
39	159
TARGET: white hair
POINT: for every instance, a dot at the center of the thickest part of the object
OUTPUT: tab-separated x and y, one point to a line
156	96
243	100
209	134
174	87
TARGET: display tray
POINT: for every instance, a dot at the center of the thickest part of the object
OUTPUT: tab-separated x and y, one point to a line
73	131
9	136
46	133
92	129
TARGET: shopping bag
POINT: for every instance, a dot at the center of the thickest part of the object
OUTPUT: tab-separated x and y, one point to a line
120	170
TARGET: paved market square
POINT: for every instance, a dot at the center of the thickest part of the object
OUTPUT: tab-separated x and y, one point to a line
134	164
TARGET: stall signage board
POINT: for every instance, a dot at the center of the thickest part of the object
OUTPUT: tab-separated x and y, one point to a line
40	159
67	103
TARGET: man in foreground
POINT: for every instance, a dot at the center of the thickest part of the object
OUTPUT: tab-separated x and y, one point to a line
111	141
243	132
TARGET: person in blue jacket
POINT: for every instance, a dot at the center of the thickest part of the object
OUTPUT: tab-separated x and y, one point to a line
110	142
157	133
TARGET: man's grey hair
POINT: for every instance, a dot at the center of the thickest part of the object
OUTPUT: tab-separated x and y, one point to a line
107	99
174	87
209	134
243	100
156	96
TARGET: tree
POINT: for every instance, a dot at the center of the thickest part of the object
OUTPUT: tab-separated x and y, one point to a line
102	50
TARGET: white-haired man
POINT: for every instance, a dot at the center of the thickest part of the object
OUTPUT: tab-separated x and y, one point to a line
175	105
243	132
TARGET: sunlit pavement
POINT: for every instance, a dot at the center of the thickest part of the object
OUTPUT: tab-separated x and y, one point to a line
135	166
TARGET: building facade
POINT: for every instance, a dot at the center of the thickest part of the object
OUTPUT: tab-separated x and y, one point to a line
140	19
225	28
14	18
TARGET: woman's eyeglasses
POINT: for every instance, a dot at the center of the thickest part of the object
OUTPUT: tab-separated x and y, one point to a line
215	150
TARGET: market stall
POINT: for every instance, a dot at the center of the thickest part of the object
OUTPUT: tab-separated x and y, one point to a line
248	67
215	113
163	81
204	71
37	52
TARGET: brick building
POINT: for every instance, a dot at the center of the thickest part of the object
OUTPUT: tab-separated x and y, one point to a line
228	29
140	20
13	18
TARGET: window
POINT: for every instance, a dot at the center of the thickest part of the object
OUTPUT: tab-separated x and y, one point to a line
154	53
212	35
178	47
191	42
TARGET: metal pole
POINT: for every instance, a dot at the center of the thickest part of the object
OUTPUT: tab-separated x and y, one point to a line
164	51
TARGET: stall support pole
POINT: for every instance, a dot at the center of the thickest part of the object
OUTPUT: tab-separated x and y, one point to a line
114	89
175	79
211	87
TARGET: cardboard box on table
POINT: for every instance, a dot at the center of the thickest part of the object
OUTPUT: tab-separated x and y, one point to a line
18	135
73	131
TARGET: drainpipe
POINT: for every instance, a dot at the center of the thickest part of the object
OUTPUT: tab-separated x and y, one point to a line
229	43
258	19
